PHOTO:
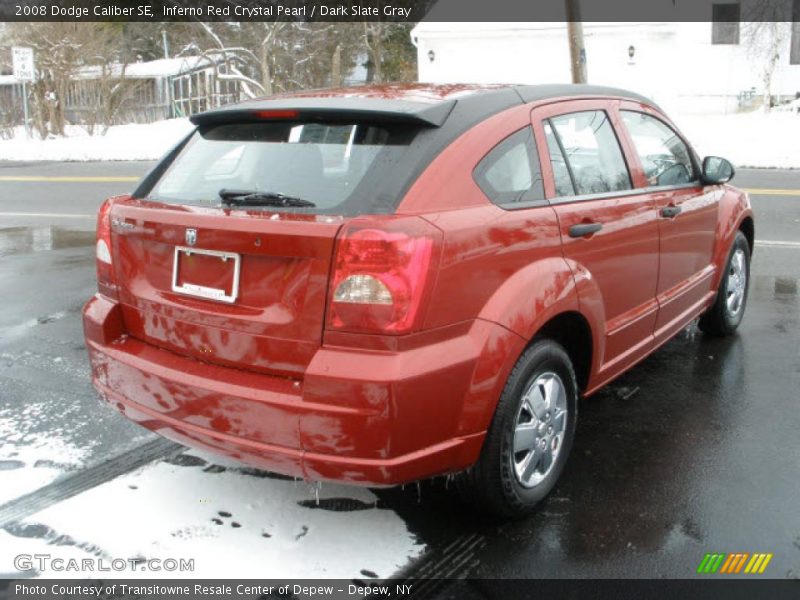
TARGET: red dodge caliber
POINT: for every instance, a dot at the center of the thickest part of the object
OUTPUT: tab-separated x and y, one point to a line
384	284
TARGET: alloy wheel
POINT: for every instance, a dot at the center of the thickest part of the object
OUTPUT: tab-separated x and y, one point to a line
737	283
539	429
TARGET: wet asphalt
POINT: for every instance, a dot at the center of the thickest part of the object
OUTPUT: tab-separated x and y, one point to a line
695	450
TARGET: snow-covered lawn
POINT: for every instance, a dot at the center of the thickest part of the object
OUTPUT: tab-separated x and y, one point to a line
748	140
122	142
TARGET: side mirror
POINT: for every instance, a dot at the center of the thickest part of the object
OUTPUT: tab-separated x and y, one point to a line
717	170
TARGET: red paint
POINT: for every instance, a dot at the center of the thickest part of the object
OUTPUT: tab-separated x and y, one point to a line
276	114
289	379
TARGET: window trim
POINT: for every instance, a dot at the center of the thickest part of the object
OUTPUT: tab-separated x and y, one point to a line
715	23
794	34
599	195
696	167
549	123
532	152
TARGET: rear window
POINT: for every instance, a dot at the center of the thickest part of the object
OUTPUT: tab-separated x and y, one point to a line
337	166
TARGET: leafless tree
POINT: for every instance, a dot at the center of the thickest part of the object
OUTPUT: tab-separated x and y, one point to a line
766	28
63	52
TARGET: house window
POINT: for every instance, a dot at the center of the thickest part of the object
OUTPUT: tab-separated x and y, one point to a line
794	49
725	26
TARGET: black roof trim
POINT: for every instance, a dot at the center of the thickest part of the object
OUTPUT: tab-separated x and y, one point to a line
352	107
342	108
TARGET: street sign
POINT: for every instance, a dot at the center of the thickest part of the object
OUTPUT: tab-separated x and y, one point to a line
22	60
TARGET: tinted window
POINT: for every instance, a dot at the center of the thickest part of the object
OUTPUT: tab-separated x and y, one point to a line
338	166
510	172
561	175
665	159
592	152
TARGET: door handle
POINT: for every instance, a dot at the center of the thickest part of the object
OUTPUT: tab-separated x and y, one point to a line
584	229
671	211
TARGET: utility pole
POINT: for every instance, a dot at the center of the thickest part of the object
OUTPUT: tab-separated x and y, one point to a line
577	49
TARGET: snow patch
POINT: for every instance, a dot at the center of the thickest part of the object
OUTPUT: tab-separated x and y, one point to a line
232	520
757	139
31	457
121	142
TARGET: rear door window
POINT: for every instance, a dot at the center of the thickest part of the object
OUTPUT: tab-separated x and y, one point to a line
510	174
337	166
592	152
666	159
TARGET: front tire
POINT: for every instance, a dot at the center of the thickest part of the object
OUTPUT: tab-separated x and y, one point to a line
531	435
725	315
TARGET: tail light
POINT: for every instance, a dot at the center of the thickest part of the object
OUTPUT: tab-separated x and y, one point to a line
106	282
381	275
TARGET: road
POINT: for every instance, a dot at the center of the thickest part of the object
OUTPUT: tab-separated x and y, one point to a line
693	451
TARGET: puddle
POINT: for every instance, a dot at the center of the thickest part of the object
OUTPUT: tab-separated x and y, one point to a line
24	328
23	240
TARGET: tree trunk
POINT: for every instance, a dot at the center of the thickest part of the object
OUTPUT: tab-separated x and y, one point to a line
373	39
266	72
377	54
336	67
769	71
38	112
577	49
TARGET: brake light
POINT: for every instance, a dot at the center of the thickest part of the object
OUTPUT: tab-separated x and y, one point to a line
381	274
106	282
276	114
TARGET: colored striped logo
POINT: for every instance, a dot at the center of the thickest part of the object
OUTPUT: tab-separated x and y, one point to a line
735	562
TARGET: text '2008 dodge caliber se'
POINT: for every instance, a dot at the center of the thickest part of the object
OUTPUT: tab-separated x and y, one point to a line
383	284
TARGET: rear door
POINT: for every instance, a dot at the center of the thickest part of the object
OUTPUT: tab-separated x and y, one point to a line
687	215
608	229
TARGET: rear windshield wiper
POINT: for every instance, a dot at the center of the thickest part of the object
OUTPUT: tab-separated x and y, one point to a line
256	198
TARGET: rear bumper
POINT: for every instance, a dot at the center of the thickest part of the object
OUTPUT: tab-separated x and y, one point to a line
372	418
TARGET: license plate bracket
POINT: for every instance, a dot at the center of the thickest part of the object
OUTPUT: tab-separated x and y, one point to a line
229	276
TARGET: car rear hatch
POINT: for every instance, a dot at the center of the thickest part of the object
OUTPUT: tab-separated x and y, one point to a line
246	285
240	290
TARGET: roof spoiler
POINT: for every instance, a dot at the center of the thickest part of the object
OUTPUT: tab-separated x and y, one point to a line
335	109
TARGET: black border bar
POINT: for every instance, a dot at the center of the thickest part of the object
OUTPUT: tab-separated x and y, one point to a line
744	588
391	10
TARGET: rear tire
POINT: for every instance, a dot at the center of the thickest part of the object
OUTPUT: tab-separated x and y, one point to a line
531	434
726	313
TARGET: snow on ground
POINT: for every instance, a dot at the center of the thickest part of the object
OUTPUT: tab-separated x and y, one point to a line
32	456
121	142
751	139
747	139
232	520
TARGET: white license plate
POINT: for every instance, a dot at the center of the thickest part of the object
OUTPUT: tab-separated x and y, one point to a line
229	261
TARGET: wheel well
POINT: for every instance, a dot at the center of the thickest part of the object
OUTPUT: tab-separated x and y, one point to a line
572	331
748	229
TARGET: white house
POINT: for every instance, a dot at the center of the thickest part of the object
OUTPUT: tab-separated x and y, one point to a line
701	67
